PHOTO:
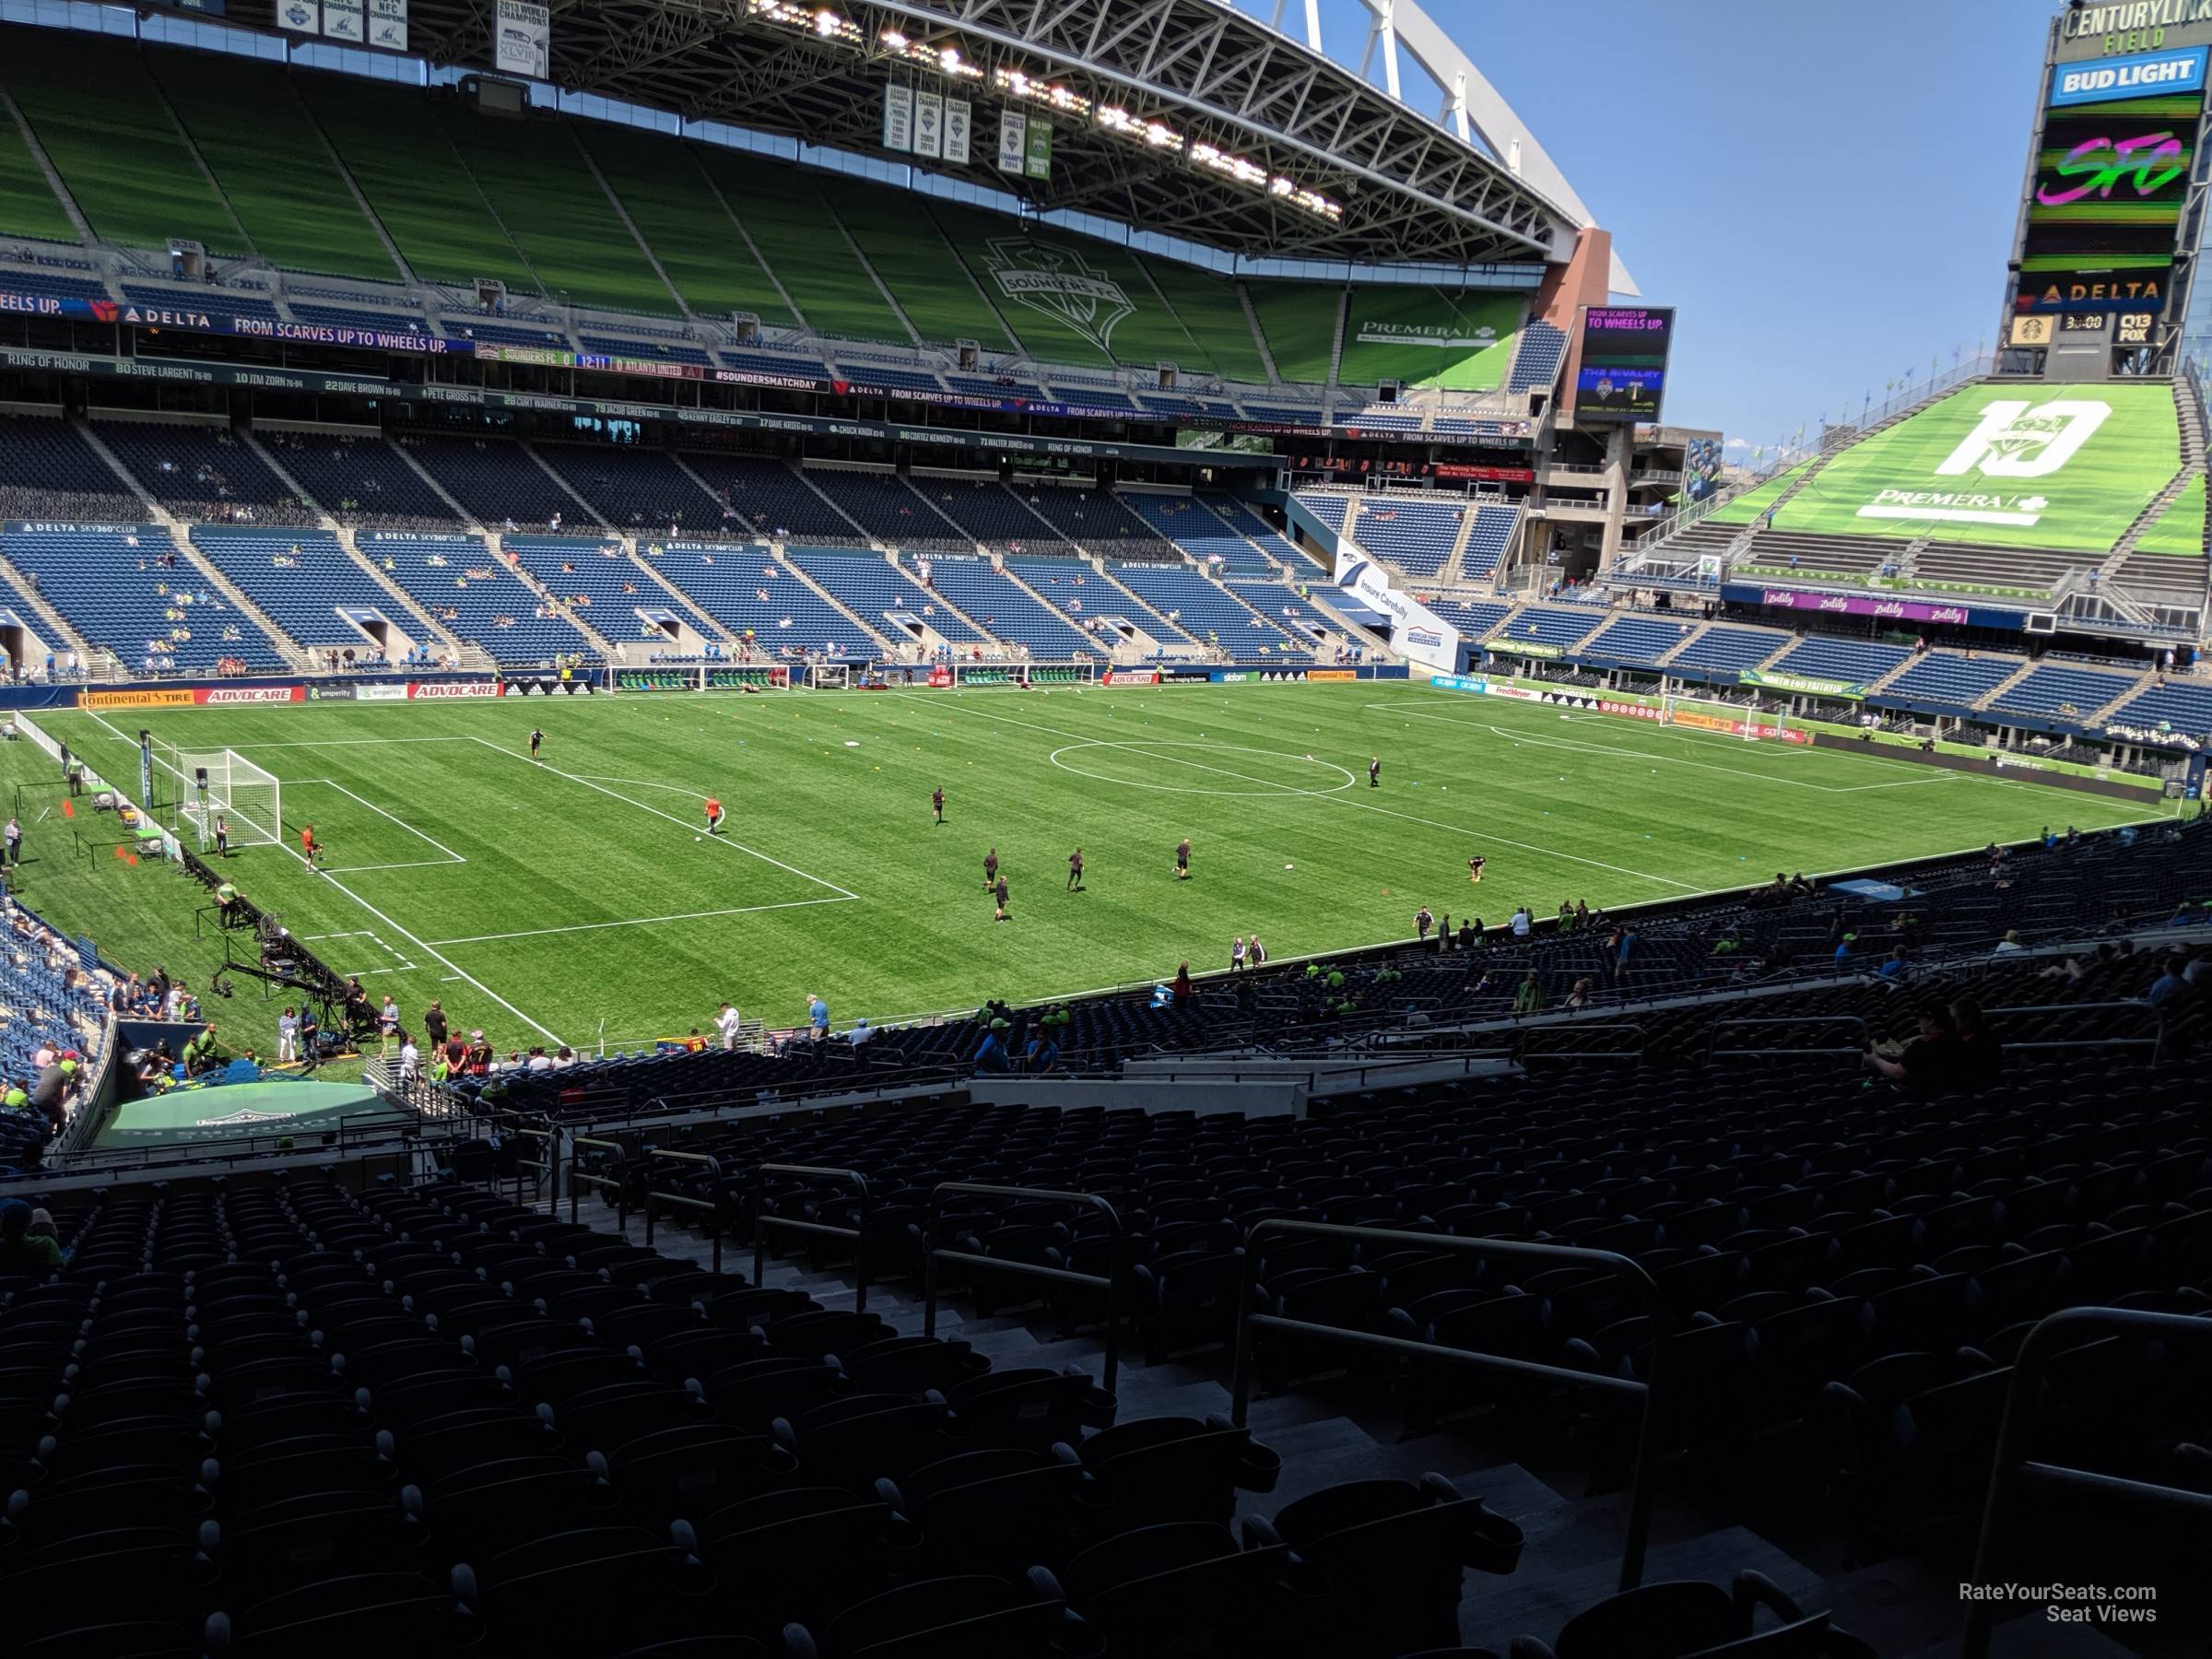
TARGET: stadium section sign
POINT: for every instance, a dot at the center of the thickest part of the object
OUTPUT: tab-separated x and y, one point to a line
2068	468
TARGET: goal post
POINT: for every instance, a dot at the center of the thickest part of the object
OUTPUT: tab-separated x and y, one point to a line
830	677
223	783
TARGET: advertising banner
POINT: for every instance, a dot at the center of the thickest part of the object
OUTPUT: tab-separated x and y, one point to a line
380	693
1416	634
1458	682
340	693
1012	140
897	118
544	685
1130	676
388	24
960	122
940	678
1461	472
1622	376
1861	604
2138	74
167	697
1525	648
219	696
426	689
523	40
1334	674
1808	684
929	124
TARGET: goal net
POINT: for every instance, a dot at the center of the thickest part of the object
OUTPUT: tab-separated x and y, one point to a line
222	783
830	677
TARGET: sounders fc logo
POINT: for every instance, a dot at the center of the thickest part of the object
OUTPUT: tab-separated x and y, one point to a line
1057	281
2013	439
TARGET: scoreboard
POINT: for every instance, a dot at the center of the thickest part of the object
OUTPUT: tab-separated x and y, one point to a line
1622	375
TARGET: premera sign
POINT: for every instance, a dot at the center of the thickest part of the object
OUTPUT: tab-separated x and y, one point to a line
2067	467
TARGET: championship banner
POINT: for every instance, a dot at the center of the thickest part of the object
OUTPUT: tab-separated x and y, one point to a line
388	24
300	16
1808	684
1038	151
1012	140
929	124
345	20
960	122
898	118
525	40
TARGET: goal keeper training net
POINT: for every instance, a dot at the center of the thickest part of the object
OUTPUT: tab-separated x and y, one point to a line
225	784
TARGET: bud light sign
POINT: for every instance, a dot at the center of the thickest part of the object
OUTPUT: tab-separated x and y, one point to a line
2144	75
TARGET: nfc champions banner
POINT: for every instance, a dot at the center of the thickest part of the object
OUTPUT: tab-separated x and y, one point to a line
1416	632
2068	468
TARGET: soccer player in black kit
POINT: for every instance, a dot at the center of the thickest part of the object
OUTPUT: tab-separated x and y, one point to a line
1374	772
536	737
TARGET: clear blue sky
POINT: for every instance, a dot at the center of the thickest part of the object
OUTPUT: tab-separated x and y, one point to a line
1827	193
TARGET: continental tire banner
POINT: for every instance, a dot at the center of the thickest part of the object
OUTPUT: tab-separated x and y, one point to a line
218	696
1333	674
178	697
1806	685
1739	728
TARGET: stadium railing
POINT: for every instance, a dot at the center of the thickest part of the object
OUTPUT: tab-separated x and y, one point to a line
712	1207
763	1222
1110	1281
2014	1467
1633	1278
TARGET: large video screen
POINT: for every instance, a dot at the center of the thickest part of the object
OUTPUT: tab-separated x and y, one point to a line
1623	372
2105	201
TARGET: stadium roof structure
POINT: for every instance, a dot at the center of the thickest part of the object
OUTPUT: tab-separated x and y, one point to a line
1186	115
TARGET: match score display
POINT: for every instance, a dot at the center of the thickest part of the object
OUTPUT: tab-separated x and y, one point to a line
1623	372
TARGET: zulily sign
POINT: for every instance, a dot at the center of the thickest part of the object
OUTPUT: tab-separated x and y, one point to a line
2142	75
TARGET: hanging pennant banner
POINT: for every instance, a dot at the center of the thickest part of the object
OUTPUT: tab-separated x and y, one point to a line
929	123
957	118
898	118
1012	140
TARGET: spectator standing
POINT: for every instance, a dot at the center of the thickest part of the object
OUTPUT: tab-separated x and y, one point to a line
287	1037
14	842
434	1028
817	1016
728	1022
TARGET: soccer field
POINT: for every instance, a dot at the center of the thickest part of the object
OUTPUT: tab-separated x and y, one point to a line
548	902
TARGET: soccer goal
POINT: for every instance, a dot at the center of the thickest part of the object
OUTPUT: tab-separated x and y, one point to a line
830	677
223	783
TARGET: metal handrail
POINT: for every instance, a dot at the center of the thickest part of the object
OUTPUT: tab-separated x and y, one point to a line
1629	1273
2010	1464
579	1176
712	1206
1524	1035
1713	1033
1111	1281
858	1233
549	1171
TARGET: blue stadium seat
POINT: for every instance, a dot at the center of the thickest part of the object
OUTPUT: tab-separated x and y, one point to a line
1536	363
1190	525
457	580
109	582
598	578
1949	677
1864	661
874	589
1003	609
2063	692
750	593
2179	705
1560	626
1487	542
1417	536
888	508
1635	640
299	579
1727	650
1208	612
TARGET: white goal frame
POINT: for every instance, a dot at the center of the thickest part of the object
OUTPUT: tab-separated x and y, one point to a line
830	677
249	798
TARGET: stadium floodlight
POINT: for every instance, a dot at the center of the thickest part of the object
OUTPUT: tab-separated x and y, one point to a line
224	783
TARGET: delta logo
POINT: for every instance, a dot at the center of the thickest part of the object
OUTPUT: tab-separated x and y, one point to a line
157	316
1060	283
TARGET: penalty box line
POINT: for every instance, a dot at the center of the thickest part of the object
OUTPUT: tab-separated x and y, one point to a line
720	841
545	1031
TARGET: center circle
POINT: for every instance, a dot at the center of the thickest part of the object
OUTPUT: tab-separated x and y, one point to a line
1225	777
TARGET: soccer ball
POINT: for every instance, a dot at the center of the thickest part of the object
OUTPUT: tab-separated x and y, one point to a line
1290	866
695	838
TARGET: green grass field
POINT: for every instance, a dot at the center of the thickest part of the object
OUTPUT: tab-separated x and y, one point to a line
538	900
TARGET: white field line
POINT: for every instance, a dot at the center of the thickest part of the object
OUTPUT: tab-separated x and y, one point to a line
547	1032
723	840
451	856
1345	800
742	909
